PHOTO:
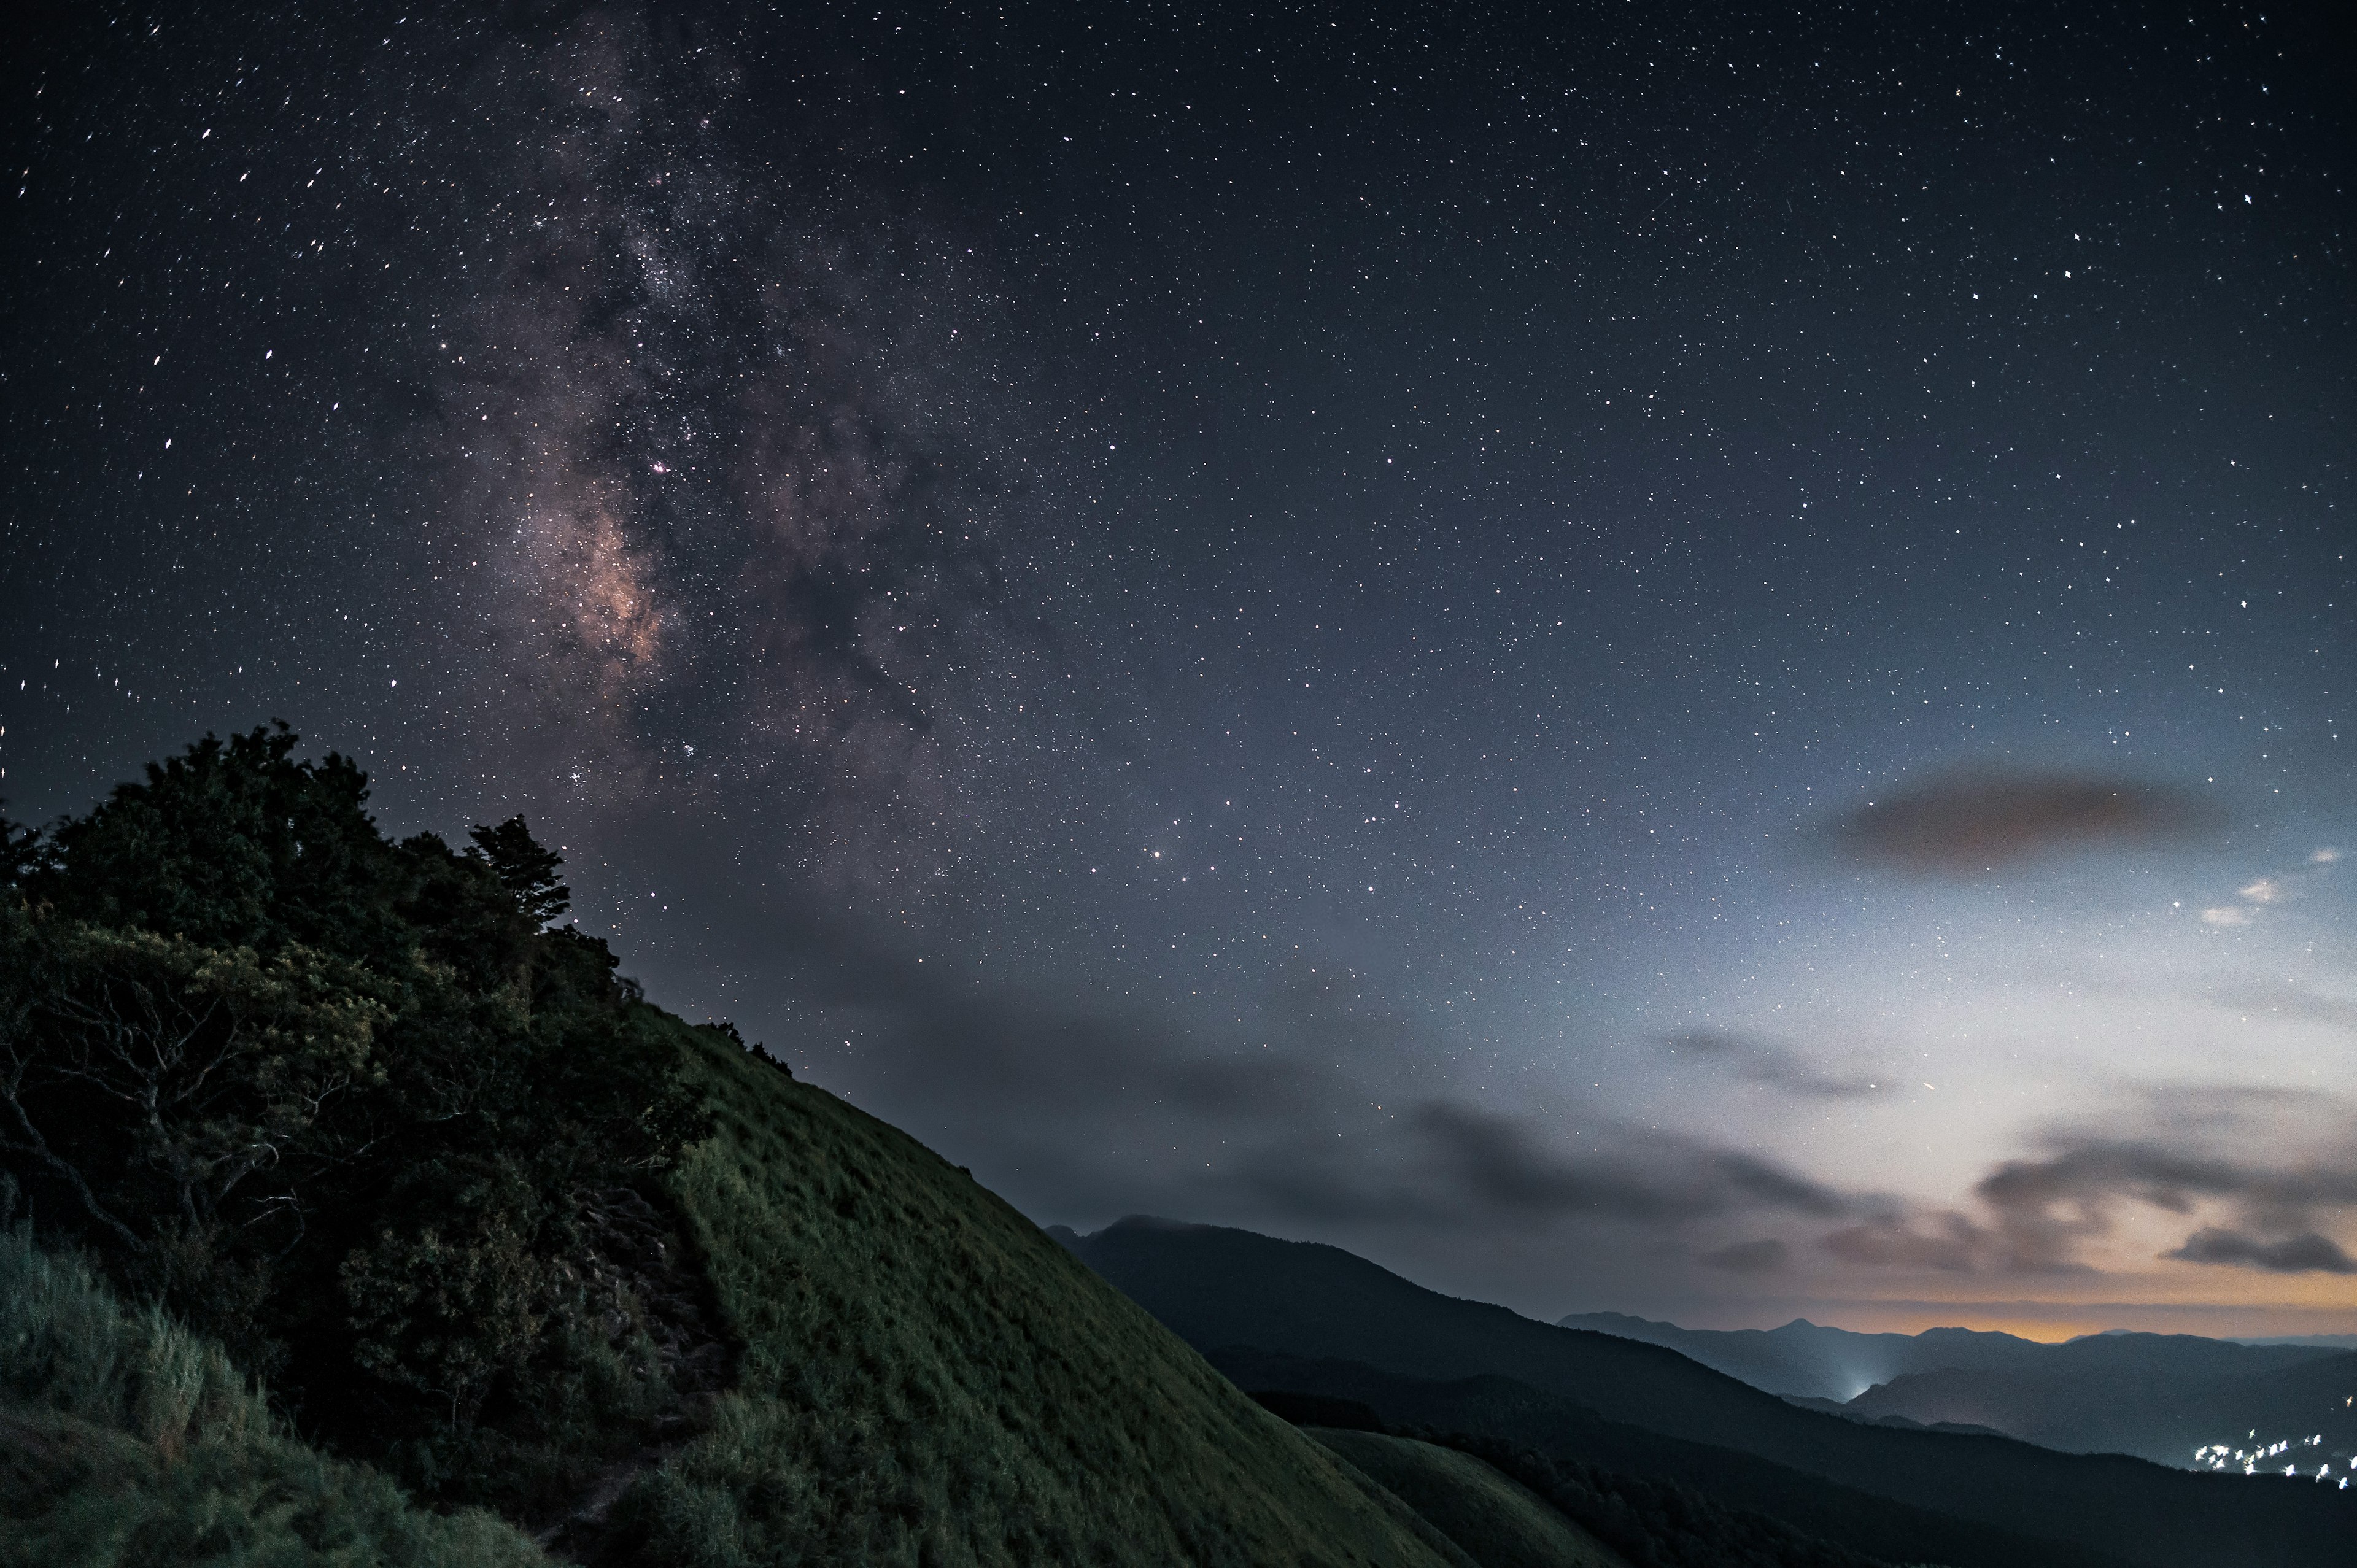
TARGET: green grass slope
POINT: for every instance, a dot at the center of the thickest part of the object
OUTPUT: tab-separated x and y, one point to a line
928	1379
126	1442
1497	1521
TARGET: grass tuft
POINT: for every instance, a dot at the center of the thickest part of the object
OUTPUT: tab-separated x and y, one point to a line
126	1442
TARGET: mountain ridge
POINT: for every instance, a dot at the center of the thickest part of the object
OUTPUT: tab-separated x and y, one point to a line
1222	1288
1814	1361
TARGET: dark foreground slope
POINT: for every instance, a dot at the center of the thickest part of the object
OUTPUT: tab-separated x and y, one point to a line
927	1378
1222	1288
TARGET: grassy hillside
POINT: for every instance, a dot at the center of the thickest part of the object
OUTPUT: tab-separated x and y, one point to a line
370	1119
926	1379
1497	1521
126	1441
1222	1288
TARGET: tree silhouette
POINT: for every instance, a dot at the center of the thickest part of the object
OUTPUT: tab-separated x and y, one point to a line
524	868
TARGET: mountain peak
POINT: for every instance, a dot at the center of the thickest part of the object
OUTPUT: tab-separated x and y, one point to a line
1129	1224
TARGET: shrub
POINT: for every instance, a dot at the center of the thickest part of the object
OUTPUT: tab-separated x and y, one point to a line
126	1440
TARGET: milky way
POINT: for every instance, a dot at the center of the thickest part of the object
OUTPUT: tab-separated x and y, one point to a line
729	448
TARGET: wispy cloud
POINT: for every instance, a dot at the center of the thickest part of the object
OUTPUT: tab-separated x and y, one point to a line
1767	1255
2281	1165
2304	1253
1965	823
1292	1126
2287	1001
1459	1164
2261	892
1949	1242
1774	1066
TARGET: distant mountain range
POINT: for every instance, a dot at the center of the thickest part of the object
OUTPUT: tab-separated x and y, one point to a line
1297	1313
2325	1341
1808	1360
2160	1396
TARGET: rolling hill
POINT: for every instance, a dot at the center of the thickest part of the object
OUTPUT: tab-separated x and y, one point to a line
927	1378
1496	1520
1222	1288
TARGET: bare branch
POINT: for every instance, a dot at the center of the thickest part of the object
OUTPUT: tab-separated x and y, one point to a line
31	1145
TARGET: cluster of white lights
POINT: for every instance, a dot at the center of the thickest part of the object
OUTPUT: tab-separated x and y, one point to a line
2219	1456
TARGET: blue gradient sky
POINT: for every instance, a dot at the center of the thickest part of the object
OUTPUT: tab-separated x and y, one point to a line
1290	622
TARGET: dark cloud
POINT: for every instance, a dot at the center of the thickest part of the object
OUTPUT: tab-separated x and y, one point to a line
2307	1253
2280	1162
1456	1164
1949	1242
1967	823
1293	1111
2045	1209
1767	1255
1773	1066
2045	1206
1298	1132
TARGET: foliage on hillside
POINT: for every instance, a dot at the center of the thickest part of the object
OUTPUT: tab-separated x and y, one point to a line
346	1104
482	1215
125	1441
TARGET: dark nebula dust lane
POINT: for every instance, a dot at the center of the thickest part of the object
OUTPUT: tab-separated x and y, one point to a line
1690	662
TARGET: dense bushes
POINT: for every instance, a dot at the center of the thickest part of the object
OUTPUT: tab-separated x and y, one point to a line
342	1103
126	1440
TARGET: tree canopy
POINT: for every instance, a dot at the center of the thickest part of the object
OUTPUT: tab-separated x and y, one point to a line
342	1101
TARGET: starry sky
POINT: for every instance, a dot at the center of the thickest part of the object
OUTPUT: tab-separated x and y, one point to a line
1687	659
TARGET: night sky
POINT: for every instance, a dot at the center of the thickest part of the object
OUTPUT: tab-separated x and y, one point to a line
1683	660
